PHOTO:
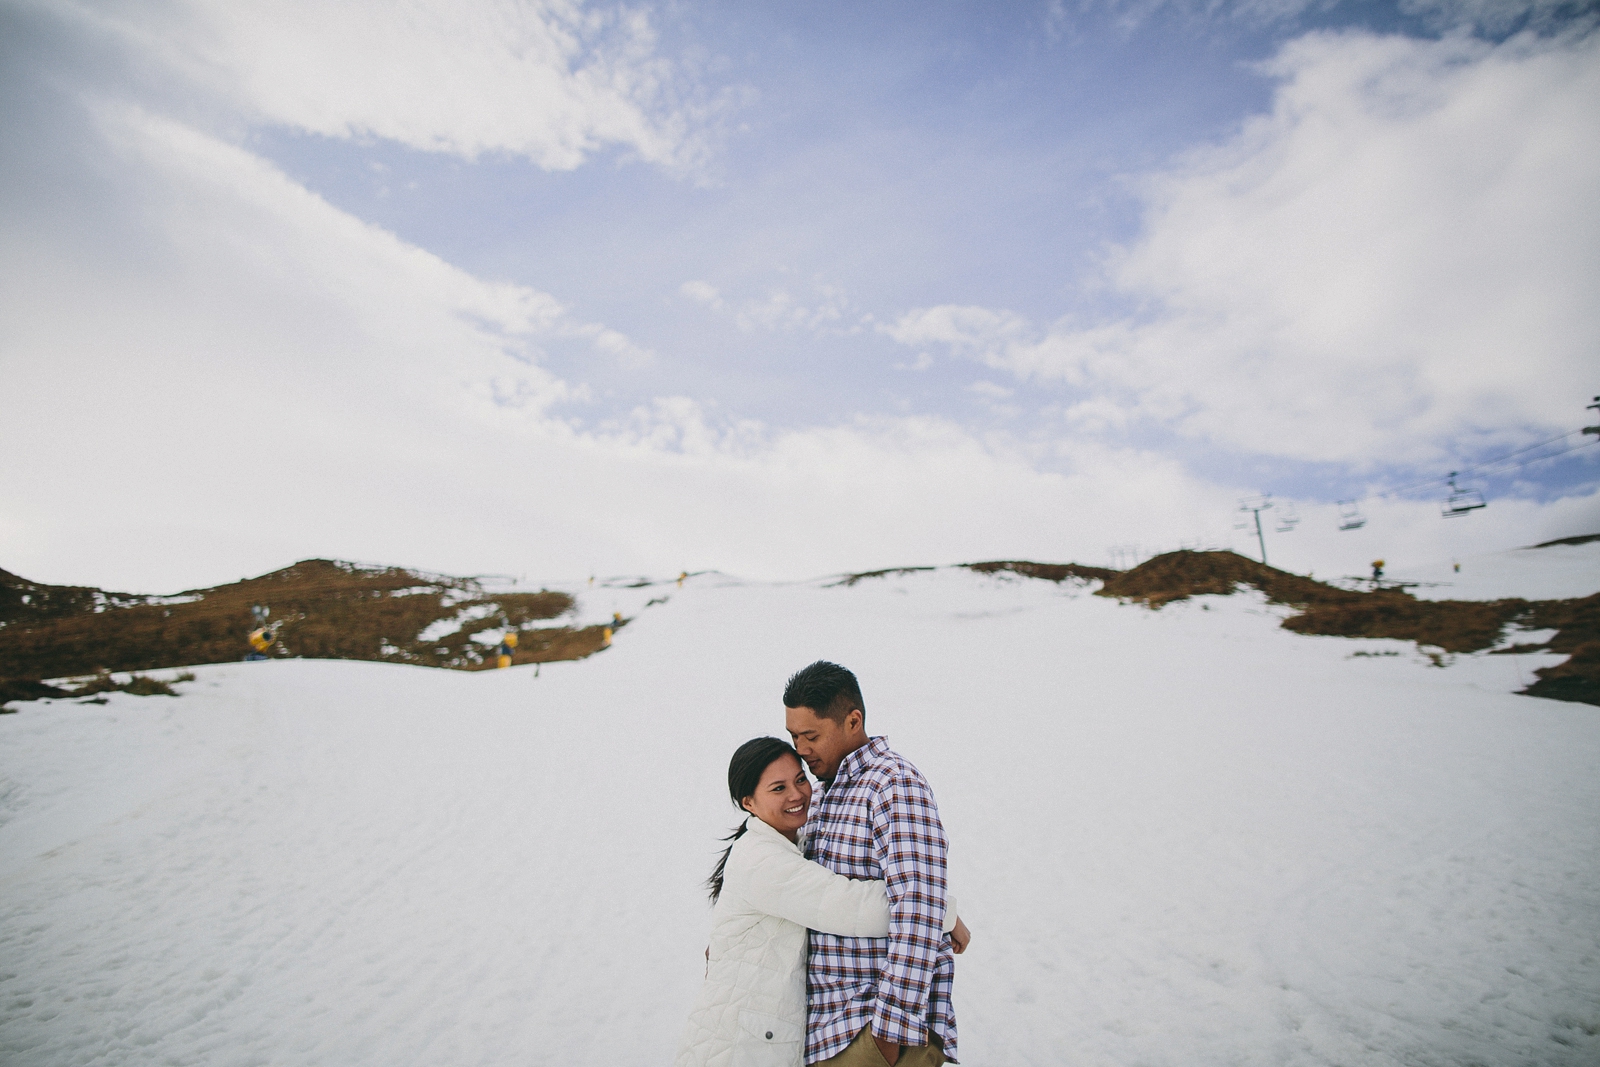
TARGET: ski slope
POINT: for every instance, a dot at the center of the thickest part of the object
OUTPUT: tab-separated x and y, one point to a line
1554	572
1183	837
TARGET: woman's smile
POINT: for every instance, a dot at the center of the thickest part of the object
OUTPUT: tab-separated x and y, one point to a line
782	799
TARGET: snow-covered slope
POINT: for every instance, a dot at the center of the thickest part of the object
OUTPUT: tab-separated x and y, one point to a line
1554	572
1181	837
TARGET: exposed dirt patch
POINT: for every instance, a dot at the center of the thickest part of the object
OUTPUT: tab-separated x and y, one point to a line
1582	540
1448	625
1451	625
1436	626
1050	572
1179	575
320	609
23	689
332	610
852	579
1578	623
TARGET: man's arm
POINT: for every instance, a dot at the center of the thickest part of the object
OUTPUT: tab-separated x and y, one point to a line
911	848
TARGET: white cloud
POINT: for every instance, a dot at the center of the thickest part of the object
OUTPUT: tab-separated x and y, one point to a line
923	361
211	372
967	330
991	390
552	80
996	399
702	293
1399	255
826	309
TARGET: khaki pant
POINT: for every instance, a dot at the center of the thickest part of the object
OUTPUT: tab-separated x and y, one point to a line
863	1052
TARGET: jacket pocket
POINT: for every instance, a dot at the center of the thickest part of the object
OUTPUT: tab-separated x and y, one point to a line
768	1041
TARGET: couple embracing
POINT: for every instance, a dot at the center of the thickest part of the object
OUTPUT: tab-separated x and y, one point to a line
833	934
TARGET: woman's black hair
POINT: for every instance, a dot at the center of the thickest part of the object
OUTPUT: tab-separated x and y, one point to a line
750	761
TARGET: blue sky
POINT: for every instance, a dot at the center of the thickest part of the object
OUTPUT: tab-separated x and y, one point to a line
783	289
898	155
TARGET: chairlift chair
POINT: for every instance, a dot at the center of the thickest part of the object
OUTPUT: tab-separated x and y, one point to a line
1461	501
1350	517
1288	518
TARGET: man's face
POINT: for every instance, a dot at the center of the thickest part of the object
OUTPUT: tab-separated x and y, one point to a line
821	742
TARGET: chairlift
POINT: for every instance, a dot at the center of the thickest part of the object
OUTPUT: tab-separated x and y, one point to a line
1350	517
1288	518
1461	501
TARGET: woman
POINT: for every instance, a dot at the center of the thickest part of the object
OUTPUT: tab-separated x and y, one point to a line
751	1012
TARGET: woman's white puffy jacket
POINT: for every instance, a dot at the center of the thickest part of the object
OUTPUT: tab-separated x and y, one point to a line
751	1012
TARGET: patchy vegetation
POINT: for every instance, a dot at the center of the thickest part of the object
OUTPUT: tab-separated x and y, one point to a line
1450	625
852	579
1050	572
331	610
1436	626
1447	625
138	685
24	689
322	609
1581	540
1577	623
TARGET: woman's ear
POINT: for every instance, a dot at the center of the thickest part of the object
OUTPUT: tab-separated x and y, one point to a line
745	804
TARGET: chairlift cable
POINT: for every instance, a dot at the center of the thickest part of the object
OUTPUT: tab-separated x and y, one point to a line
1479	469
1488	468
1488	471
1485	469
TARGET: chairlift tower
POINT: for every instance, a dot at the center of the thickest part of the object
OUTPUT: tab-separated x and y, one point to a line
1256	505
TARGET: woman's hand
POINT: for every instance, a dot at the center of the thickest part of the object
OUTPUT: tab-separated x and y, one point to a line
960	937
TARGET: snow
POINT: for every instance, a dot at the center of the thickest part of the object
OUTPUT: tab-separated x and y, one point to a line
445	627
1179	837
1555	572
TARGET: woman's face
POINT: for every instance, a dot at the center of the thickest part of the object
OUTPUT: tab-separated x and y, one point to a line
783	797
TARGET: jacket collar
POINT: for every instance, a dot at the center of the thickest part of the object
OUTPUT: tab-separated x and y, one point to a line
859	760
754	825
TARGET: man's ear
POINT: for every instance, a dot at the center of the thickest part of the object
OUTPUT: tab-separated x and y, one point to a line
860	720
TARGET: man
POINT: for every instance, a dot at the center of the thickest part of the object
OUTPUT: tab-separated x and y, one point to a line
874	817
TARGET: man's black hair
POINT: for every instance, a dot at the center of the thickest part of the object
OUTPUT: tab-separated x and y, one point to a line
827	689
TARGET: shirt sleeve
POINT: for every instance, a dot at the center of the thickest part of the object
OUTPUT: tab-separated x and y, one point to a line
786	884
911	848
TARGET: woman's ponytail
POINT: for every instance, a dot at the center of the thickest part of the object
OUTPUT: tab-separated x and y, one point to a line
714	883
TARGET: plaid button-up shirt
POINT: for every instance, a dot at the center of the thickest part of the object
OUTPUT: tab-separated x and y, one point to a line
877	819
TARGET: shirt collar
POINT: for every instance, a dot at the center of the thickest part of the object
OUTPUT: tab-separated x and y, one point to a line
861	759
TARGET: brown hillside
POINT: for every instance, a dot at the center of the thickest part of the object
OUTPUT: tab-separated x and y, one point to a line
1050	572
1578	623
321	609
1179	575
1450	625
